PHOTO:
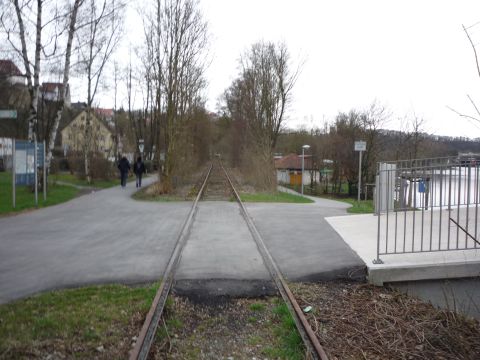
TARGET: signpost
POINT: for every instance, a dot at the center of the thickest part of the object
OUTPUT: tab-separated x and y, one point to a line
27	158
360	146
8	114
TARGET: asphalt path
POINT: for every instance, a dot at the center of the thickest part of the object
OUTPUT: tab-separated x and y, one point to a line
102	237
107	237
303	244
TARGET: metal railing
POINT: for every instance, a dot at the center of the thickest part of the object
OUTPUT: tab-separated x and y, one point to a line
427	205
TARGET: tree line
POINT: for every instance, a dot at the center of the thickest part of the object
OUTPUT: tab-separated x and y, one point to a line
164	82
58	38
332	146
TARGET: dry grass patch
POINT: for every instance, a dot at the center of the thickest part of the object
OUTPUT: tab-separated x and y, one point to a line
360	321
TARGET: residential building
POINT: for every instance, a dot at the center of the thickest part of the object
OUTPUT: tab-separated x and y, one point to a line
11	73
289	169
79	105
51	92
73	135
105	114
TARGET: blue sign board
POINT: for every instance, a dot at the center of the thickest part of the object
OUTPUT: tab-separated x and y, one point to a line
25	161
421	186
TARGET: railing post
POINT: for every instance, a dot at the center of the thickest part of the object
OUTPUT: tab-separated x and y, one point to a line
378	211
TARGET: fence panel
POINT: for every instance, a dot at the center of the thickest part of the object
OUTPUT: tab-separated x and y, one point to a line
427	205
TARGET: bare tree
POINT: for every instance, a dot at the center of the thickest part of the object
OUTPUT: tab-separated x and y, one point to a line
116	135
19	29
151	58
47	46
235	110
103	33
372	120
66	77
476	117
176	39
263	92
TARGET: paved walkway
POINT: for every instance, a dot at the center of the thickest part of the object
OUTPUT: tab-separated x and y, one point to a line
107	237
303	244
102	237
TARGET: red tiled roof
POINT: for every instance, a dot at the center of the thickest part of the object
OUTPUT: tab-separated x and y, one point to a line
8	68
104	112
293	162
50	86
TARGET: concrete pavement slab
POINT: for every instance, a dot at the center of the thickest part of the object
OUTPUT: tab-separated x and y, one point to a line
360	232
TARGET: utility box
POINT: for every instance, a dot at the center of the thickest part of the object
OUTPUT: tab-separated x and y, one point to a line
385	188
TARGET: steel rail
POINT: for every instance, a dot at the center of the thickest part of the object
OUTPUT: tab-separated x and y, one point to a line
147	334
309	338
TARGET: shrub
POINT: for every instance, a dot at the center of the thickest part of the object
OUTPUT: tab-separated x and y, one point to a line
100	168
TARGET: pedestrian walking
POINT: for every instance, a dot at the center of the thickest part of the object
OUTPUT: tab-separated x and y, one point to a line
139	170
124	167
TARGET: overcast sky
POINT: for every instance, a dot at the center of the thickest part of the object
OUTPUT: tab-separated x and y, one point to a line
412	56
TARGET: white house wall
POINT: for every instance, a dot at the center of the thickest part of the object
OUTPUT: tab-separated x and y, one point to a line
283	176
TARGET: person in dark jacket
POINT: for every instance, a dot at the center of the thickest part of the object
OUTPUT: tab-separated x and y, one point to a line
139	170
124	167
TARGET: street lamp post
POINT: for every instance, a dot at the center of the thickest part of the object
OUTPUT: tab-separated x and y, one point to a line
304	147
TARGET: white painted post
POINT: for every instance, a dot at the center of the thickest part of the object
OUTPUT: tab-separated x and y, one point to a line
303	161
360	146
359	175
303	165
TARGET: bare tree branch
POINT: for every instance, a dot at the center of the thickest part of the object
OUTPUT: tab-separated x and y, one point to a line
463	115
474	49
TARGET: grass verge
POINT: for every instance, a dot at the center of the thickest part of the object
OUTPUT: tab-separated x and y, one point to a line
362	207
74	180
85	323
279	196
25	199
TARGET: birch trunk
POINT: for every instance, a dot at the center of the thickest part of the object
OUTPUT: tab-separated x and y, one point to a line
32	119
33	87
66	77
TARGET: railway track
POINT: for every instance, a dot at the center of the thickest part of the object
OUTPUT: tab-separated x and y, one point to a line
217	185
